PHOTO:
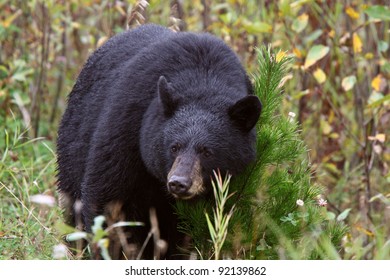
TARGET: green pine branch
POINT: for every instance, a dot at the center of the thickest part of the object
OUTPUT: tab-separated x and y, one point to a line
277	211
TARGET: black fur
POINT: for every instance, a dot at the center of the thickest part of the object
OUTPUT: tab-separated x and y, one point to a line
141	93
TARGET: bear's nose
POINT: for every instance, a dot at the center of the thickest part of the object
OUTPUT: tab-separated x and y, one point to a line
179	185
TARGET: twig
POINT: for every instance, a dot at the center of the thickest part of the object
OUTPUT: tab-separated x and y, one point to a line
206	14
364	195
342	122
62	69
38	91
155	232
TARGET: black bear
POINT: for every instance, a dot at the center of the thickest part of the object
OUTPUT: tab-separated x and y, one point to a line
152	114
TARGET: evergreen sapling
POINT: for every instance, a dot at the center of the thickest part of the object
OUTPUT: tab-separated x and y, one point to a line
278	212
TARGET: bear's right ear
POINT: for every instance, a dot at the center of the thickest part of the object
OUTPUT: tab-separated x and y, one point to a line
166	96
246	112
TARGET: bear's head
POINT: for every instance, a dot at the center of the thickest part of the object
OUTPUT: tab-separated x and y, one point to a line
183	140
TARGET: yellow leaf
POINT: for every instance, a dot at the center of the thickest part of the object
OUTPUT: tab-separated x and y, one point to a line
334	135
75	25
381	137
326	127
365	231
378	83
297	53
369	55
357	43
331	33
386	156
331	116
280	55
352	13
319	75
8	21
303	17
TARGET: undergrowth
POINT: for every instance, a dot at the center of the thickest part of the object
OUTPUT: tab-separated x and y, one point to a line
28	209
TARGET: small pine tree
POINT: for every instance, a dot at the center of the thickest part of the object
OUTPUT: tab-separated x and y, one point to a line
278	211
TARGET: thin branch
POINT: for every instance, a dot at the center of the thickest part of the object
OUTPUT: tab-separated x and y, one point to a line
62	69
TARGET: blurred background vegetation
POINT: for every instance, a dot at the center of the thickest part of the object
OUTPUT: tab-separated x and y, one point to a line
338	87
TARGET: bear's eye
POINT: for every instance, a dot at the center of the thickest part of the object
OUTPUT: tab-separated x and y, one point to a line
175	148
206	153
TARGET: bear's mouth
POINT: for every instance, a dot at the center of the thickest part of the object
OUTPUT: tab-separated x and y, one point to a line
193	191
183	196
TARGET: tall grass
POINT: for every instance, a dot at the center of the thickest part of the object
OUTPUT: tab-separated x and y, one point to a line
27	221
219	228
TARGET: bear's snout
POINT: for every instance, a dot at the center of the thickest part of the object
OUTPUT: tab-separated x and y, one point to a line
179	185
185	178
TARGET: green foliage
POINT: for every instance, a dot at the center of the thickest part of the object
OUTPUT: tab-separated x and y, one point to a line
378	12
193	222
275	202
287	209
27	214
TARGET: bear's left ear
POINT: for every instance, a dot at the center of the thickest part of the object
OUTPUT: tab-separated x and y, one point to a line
246	112
166	96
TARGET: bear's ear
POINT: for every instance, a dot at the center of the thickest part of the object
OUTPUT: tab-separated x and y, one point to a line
166	96
246	112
